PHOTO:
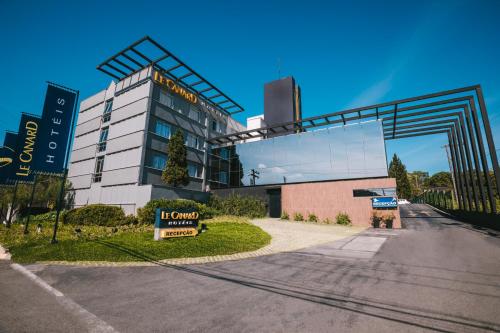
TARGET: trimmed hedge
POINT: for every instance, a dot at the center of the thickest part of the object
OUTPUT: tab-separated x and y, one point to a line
47	217
146	214
239	205
103	215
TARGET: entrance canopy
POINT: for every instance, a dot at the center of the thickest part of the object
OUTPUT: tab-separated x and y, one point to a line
459	113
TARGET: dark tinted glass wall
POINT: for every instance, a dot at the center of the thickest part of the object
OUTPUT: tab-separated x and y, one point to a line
347	152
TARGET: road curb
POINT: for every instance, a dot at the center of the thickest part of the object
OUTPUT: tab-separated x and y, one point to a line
4	254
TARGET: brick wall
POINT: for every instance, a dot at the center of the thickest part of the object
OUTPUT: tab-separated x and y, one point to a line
327	199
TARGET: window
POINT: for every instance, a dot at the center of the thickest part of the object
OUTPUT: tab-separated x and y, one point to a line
223	177
162	129
224	153
193	170
374	192
99	165
107	111
166	99
194	113
193	141
159	161
101	146
218	126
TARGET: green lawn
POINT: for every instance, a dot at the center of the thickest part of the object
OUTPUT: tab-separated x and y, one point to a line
225	235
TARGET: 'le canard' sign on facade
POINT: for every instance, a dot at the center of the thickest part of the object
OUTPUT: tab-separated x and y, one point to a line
175	223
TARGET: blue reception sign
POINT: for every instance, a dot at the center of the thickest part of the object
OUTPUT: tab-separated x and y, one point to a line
54	129
384	202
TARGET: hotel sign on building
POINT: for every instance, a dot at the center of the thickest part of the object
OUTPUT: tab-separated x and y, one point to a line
175	88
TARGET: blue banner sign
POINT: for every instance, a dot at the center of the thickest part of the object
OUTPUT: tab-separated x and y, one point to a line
384	202
54	130
27	140
7	156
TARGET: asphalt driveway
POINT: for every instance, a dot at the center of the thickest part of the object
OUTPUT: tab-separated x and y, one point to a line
436	275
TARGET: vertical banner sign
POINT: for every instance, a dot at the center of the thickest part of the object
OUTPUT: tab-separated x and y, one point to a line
7	156
55	129
27	138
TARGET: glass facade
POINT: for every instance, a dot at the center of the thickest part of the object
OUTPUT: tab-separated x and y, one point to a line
346	152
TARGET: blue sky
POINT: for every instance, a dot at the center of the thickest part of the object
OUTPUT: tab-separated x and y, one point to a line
342	53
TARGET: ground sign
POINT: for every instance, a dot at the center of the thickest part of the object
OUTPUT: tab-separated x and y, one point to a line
384	202
175	223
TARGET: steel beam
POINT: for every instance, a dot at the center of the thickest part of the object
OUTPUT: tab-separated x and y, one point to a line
476	158
482	153
489	137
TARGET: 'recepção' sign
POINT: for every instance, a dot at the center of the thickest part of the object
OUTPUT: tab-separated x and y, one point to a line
175	223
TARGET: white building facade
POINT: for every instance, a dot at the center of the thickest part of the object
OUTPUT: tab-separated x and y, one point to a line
121	138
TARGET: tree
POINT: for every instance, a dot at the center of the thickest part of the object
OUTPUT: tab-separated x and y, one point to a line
417	181
398	170
440	179
46	194
176	171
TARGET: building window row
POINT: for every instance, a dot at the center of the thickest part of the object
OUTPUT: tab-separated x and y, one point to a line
108	107
99	165
103	138
192	111
159	162
181	106
165	130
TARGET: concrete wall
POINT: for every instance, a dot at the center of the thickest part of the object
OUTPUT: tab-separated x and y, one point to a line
178	193
327	199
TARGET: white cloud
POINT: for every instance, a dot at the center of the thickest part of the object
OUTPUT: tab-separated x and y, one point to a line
277	170
373	94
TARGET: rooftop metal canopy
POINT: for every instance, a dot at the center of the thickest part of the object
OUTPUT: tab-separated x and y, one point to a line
146	52
452	112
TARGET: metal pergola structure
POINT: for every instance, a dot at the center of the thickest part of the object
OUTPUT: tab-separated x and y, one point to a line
146	52
459	113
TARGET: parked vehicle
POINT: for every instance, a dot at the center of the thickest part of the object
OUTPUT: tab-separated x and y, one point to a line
403	202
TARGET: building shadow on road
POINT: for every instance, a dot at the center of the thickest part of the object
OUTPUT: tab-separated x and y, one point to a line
416	317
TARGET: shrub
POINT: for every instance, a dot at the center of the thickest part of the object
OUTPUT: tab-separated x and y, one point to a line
147	214
131	220
343	219
312	218
298	217
47	217
388	219
284	216
327	221
103	215
239	205
376	219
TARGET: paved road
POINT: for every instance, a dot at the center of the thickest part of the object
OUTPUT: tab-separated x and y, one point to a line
435	275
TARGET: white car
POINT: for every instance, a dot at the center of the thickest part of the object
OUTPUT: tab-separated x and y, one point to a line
403	202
